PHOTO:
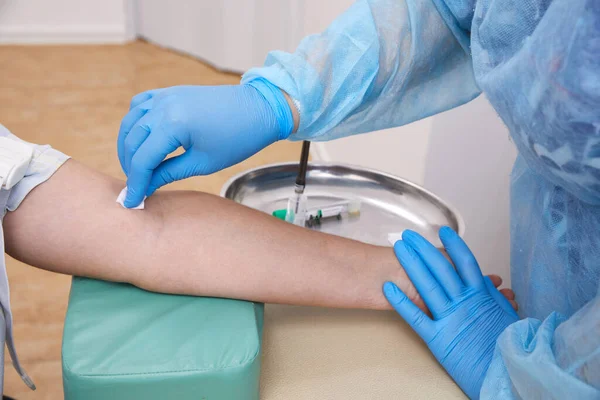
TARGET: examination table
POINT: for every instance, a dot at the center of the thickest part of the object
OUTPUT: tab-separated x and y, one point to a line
121	342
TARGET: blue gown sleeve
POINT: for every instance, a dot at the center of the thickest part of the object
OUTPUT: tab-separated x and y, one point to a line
538	63
382	63
553	359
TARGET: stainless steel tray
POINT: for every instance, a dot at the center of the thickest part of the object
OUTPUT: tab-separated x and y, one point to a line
388	204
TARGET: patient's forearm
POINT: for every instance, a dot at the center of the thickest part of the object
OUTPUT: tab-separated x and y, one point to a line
192	243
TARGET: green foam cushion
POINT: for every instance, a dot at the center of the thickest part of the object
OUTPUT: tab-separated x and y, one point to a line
121	342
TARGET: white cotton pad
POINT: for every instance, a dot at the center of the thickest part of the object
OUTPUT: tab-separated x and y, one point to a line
394	237
121	199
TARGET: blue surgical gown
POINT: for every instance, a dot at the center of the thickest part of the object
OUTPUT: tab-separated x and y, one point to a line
385	63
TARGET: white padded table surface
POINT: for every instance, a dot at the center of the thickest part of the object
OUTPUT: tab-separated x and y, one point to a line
317	353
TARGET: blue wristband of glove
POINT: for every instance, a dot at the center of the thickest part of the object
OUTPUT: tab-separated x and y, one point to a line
275	98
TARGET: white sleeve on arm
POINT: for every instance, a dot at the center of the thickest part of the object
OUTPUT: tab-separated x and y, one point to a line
44	163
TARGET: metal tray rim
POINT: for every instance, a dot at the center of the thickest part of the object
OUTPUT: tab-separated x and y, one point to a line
459	219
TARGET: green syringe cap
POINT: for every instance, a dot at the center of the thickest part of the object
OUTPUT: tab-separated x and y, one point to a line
280	214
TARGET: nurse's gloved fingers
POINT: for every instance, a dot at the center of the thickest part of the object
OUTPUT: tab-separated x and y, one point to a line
134	140
134	196
418	321
142	97
438	265
462	257
428	287
174	169
506	292
499	297
157	146
128	122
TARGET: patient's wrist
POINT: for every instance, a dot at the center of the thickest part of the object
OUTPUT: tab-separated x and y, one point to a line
387	268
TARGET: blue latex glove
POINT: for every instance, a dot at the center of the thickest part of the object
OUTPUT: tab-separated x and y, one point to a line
218	126
469	313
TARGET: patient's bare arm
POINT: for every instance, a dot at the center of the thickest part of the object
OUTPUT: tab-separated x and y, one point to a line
192	243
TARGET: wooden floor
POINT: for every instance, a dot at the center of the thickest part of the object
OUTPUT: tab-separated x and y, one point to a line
73	97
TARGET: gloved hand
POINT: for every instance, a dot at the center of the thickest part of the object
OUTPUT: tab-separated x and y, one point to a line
469	313
218	126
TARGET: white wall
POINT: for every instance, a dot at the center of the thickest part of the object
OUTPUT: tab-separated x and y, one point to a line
231	34
227	33
401	151
65	21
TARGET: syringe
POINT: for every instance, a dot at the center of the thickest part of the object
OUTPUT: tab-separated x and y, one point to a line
336	210
313	216
296	207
